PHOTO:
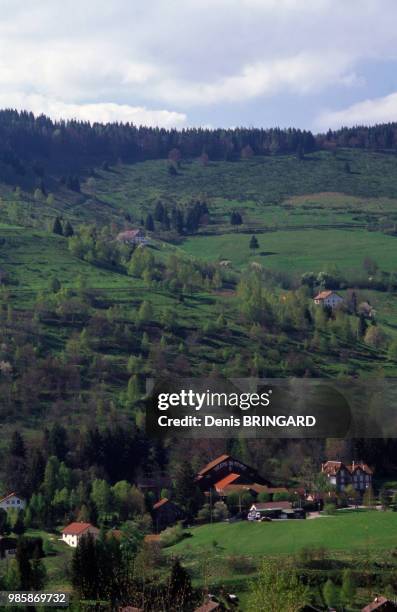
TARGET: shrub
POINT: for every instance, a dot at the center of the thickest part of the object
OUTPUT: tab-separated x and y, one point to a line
264	497
220	512
282	496
329	509
172	535
204	514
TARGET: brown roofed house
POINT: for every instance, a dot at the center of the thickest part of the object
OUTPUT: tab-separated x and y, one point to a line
329	299
133	236
72	533
358	474
226	467
165	512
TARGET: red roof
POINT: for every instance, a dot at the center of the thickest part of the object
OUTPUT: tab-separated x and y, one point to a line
380	603
332	467
130	234
213	464
221	484
360	466
323	295
13	494
77	528
160	503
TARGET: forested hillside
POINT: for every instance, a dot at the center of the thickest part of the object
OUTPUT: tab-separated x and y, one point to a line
241	229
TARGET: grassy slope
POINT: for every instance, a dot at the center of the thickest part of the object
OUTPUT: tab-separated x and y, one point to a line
300	250
315	226
345	532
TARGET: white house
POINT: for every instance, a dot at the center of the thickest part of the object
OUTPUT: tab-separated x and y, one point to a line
73	533
12	500
330	299
135	236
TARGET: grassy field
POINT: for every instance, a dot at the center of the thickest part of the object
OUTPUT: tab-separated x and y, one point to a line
264	180
299	250
366	531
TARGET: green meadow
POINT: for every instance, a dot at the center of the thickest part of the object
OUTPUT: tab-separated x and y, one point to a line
371	531
299	251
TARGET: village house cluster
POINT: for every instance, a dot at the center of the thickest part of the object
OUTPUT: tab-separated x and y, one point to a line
221	478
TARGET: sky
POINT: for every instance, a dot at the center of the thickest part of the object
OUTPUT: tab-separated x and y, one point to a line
313	64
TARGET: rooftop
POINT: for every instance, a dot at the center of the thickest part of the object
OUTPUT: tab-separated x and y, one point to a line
160	503
281	505
380	603
213	464
324	294
77	528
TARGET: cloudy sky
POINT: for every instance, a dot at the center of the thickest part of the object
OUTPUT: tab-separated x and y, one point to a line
305	63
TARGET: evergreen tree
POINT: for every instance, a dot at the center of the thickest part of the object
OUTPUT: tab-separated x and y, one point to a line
56	441
15	465
254	243
187	494
85	568
177	221
145	312
348	589
235	218
55	285
23	562
68	229
149	223
101	495
4	524
166	221
19	525
57	227
180	590
330	594
159	212
362	326
39	574
50	482
17	446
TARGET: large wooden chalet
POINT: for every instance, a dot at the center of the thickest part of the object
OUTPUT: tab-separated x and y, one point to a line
340	475
226	474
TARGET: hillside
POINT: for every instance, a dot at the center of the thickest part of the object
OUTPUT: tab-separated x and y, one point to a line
235	252
121	315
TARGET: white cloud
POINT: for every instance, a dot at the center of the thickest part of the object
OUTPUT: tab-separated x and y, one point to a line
97	112
368	112
298	74
93	54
